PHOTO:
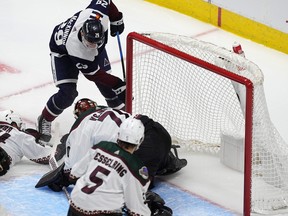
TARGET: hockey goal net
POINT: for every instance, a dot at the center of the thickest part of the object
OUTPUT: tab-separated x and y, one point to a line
201	93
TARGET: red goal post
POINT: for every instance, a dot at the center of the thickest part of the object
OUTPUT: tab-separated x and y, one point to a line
201	92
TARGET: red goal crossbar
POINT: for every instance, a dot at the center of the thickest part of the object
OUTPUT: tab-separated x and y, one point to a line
136	37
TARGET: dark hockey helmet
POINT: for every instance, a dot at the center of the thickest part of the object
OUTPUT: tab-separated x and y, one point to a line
82	105
93	31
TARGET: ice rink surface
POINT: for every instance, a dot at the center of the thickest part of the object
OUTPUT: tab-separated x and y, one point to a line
205	187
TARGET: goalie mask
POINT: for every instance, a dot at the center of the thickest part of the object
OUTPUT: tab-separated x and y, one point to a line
131	131
11	118
82	105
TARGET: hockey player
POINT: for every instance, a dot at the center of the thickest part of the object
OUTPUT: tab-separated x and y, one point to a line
111	176
15	143
78	44
93	126
154	151
99	123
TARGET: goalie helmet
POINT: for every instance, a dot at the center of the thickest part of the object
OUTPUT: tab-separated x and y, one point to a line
82	105
10	117
93	31
131	131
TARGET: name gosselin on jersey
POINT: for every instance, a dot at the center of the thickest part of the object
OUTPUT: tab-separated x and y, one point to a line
112	163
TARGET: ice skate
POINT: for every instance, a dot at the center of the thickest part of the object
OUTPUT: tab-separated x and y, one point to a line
44	128
174	163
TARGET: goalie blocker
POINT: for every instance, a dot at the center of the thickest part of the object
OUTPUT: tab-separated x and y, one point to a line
50	177
54	179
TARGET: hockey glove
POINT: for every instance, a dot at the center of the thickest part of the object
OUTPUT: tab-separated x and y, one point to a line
34	133
117	26
163	211
4	162
61	180
60	151
154	201
64	138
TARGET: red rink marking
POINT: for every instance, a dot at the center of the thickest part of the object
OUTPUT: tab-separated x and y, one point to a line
7	68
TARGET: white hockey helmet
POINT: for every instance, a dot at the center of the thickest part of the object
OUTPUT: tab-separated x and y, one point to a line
131	131
10	117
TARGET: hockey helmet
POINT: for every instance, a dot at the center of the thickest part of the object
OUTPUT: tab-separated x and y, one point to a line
10	117
82	105
93	31
131	131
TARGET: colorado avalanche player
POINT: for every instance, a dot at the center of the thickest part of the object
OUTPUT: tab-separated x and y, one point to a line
78	44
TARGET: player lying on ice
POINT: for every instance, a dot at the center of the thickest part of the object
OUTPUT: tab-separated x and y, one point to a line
109	175
17	142
99	123
124	181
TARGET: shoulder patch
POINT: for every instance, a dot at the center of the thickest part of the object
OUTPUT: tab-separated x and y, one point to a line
143	171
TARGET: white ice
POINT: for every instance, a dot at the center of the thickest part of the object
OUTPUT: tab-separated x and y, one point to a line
26	27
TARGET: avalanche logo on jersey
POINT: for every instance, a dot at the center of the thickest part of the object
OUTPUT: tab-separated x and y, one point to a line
144	172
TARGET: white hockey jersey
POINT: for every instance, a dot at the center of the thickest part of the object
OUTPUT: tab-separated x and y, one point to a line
96	126
110	178
18	144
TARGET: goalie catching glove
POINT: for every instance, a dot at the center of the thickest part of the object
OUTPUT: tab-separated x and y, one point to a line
157	205
4	162
117	25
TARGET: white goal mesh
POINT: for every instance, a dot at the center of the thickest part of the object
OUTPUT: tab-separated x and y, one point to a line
198	92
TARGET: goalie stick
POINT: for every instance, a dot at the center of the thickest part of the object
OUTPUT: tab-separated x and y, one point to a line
53	162
55	168
54	165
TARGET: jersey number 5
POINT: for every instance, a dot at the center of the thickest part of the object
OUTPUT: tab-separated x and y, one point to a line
95	179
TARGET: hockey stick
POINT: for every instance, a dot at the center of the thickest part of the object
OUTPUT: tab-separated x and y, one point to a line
121	55
52	160
54	165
